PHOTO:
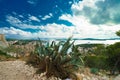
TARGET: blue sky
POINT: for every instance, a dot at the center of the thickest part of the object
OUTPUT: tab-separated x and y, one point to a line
30	19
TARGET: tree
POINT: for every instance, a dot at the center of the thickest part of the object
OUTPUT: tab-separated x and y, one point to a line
118	33
113	52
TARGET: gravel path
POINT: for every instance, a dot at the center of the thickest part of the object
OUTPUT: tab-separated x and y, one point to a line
18	70
15	70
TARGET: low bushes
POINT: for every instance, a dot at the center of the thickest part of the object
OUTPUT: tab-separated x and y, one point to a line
99	62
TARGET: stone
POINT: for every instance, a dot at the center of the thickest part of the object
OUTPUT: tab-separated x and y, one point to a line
3	42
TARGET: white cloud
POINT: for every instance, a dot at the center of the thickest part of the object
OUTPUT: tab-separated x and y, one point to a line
34	18
98	11
47	16
62	31
81	28
48	31
82	23
81	4
83	12
33	2
14	21
84	29
70	2
15	33
55	30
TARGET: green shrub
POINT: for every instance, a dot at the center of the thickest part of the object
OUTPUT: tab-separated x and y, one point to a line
96	62
2	53
55	60
113	53
94	70
4	56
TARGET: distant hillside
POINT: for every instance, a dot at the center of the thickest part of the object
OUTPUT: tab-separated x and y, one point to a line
98	39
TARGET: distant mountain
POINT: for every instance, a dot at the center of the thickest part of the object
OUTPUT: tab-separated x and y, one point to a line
66	39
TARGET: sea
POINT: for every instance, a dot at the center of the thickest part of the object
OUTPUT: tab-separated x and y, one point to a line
89	41
95	41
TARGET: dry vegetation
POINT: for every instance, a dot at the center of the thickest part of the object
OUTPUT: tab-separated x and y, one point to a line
61	60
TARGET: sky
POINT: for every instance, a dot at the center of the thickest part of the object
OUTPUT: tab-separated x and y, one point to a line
31	19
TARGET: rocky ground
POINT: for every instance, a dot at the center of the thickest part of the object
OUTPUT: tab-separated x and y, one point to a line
15	70
18	70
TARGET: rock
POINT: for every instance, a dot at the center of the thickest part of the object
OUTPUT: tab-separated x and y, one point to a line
3	42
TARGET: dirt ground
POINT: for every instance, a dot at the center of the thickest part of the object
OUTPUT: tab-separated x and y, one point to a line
18	70
15	70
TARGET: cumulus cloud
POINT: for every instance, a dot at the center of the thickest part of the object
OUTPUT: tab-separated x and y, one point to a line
84	29
48	31
47	16
90	19
98	11
62	31
15	33
56	31
94	18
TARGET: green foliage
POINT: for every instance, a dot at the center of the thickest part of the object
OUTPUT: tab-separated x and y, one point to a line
113	53
118	33
94	70
99	50
2	53
89	45
55	60
4	56
107	58
98	62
